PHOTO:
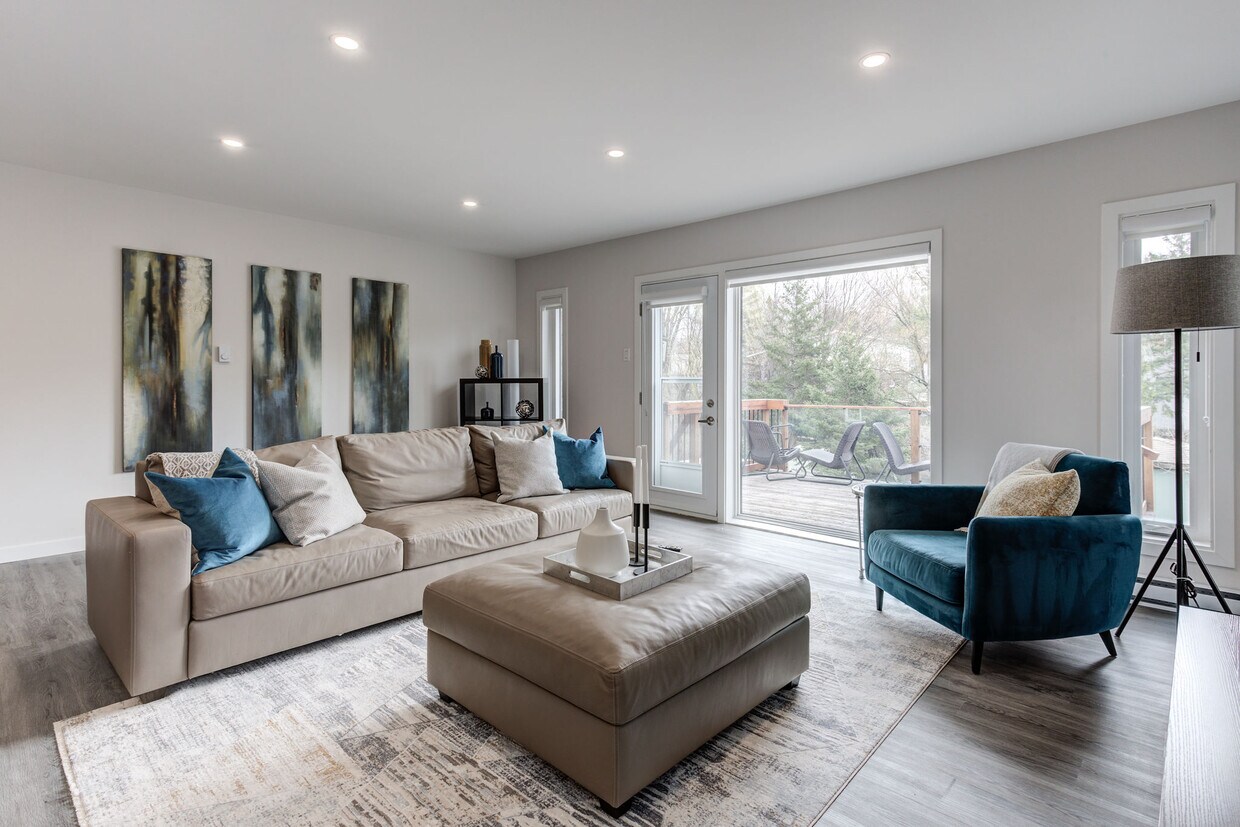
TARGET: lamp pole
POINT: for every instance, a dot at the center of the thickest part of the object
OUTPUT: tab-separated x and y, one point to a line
1179	535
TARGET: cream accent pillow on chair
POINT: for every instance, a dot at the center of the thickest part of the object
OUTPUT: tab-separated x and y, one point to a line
1033	491
311	500
526	467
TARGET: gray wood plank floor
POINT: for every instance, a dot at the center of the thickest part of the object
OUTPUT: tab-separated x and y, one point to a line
1049	733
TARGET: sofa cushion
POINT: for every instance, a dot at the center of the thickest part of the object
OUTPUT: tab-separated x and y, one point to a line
291	453
439	531
484	449
283	571
562	513
933	561
391	470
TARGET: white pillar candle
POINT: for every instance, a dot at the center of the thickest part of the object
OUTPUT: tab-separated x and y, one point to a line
638	475
645	449
512	359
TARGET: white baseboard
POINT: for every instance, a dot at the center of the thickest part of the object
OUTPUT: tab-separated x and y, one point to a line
48	548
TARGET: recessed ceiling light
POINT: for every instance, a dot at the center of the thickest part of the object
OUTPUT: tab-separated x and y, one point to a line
349	44
615	153
469	203
875	59
233	143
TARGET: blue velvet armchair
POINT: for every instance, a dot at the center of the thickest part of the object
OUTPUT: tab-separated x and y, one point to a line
1009	578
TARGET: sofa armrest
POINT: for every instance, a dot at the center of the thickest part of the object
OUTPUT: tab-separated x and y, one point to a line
919	507
623	471
138	562
1036	578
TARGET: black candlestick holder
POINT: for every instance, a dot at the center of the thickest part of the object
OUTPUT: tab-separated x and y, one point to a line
641	537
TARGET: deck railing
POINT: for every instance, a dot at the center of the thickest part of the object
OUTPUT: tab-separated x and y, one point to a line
682	439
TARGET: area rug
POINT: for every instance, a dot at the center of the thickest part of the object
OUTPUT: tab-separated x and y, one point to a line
348	731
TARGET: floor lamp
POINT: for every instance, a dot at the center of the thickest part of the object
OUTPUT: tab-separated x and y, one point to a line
1197	293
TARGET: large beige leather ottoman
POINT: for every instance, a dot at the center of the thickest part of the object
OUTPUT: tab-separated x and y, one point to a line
615	693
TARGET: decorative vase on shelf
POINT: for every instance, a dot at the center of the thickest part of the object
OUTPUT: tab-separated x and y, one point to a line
484	354
602	546
497	364
487	411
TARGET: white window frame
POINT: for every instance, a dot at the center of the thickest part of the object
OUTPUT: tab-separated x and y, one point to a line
1214	481
551	351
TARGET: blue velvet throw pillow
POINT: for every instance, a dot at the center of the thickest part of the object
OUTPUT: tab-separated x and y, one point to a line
582	463
227	515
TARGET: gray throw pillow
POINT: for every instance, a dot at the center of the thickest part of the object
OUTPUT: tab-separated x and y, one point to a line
526	467
311	500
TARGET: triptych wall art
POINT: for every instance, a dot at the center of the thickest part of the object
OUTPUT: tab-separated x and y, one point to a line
286	355
380	356
166	355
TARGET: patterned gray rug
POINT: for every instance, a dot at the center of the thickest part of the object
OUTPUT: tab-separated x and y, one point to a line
348	731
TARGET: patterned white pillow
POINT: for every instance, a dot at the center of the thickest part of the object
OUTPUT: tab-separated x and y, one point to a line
184	464
311	500
526	467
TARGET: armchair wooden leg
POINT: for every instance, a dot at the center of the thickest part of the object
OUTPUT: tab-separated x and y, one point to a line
878	598
1109	642
977	657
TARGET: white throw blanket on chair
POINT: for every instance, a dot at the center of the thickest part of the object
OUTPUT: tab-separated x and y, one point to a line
1015	455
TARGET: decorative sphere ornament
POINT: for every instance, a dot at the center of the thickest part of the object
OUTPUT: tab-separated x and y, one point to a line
481	372
525	409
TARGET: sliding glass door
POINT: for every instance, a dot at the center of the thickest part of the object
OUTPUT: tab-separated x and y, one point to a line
833	363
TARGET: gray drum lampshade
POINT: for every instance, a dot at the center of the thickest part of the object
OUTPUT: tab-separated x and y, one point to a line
1201	292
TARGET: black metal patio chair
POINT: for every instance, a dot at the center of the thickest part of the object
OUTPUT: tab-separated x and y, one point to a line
765	449
818	463
897	465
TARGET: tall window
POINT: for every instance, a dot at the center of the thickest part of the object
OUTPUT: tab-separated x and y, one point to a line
551	307
1173	226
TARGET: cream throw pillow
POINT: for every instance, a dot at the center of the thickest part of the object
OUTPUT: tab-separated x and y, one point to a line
526	467
1033	491
310	500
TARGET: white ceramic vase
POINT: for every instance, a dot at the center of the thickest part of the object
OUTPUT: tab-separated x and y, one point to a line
602	546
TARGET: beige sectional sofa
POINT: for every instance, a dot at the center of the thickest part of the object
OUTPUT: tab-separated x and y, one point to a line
431	510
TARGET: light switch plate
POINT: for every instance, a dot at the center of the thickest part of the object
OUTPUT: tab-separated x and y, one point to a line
628	354
224	354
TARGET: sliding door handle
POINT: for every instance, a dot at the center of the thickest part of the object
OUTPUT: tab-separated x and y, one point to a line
710	420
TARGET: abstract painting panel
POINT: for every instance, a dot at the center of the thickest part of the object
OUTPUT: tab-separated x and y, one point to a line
286	355
165	354
380	356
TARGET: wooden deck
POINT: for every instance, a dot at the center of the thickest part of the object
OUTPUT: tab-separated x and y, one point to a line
813	505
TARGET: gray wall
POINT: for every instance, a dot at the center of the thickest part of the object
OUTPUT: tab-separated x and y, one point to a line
1021	278
60	292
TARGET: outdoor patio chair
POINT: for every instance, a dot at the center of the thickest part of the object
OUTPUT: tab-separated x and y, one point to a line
766	450
818	462
897	465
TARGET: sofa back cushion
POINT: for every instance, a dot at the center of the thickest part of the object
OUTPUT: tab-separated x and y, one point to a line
484	449
391	470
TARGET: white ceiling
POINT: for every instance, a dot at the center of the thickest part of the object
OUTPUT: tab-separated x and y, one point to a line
722	105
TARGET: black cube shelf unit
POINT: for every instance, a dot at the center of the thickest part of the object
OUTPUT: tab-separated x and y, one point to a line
502	395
